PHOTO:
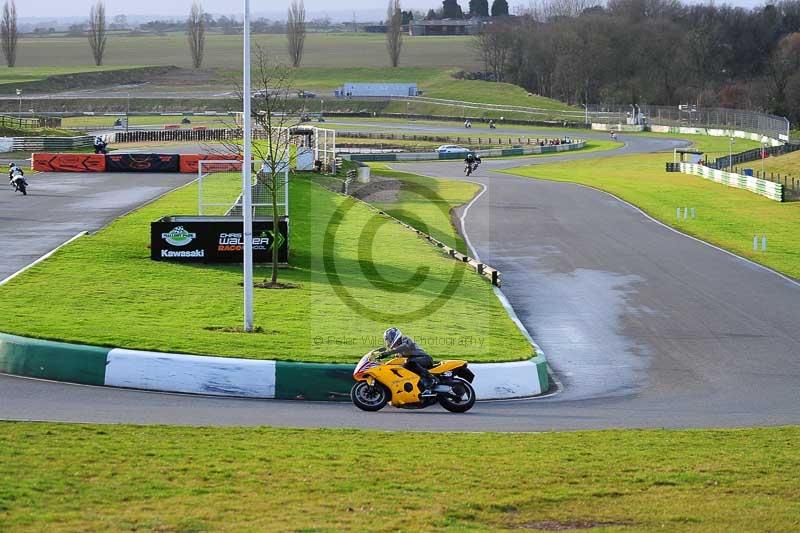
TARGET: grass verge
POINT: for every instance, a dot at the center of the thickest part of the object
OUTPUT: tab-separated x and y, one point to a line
36	132
426	203
88	478
726	217
785	165
104	290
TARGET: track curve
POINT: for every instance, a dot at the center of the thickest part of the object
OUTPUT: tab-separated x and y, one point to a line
645	327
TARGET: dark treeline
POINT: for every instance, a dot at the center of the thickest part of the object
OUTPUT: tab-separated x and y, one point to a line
651	51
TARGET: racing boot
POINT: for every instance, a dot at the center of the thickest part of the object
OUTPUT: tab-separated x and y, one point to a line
426	383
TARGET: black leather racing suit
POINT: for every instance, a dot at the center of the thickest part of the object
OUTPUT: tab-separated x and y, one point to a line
418	360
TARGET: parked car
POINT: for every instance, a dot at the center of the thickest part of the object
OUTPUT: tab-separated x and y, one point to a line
452	149
306	94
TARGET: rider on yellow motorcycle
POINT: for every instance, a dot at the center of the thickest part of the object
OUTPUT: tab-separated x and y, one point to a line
418	360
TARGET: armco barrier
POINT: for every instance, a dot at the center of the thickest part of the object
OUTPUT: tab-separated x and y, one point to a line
715	132
768	189
142	163
494	152
51	144
69	162
221	376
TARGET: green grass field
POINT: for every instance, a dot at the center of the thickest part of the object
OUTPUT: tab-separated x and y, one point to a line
63	477
103	289
425	203
456	127
157	121
322	50
35	132
726	216
23	74
785	165
329	60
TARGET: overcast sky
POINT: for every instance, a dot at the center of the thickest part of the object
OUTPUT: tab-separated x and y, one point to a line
170	8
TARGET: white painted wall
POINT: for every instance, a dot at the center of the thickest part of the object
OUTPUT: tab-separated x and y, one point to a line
195	374
496	381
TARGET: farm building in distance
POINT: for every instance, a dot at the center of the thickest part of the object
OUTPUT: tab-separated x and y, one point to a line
445	27
358	90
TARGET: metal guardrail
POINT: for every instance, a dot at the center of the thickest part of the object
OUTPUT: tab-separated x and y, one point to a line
499	141
691	116
18	122
716	117
752	155
51	144
21	123
198	135
482	269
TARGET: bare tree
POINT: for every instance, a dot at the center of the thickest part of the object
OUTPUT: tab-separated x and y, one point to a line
97	31
784	65
8	32
394	31
296	31
196	29
494	45
273	123
270	114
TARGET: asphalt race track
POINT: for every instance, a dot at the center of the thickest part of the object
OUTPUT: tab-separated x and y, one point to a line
643	326
59	206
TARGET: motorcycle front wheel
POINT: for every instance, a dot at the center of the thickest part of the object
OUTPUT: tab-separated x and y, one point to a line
461	400
369	397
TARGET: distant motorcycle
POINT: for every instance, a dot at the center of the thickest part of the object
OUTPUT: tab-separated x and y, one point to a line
100	147
19	184
471	166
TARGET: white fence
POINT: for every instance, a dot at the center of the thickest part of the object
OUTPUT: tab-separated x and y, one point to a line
768	189
219	189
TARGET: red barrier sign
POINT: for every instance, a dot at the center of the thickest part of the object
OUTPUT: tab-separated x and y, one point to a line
69	162
191	162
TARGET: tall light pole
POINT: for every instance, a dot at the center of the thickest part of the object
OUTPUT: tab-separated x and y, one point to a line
247	209
19	113
730	155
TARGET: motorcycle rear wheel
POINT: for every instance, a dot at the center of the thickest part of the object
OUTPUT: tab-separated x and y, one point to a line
465	397
369	397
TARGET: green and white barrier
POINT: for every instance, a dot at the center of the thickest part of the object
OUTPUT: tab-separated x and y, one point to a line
221	376
718	132
768	189
493	152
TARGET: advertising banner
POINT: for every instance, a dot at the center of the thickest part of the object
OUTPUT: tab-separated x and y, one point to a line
142	162
215	240
190	162
69	163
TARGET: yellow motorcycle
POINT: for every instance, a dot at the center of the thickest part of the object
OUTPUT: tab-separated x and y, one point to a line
379	383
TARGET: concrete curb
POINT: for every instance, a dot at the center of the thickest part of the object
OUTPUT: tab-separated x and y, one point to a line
223	376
